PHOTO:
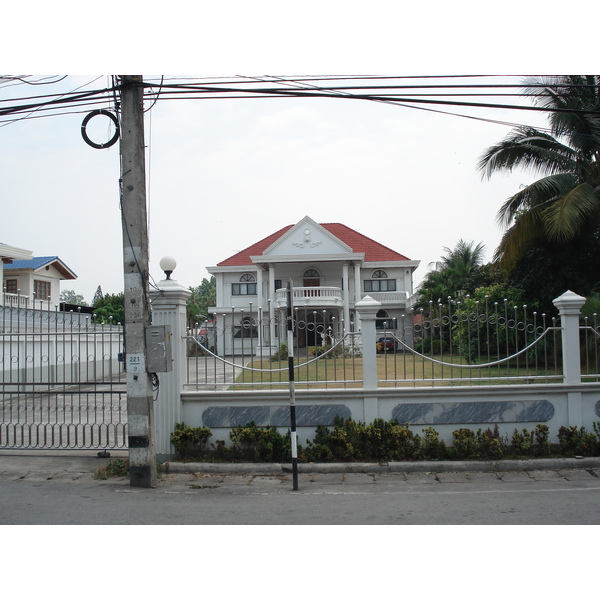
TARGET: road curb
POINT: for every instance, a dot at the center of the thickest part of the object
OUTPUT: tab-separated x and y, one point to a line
539	464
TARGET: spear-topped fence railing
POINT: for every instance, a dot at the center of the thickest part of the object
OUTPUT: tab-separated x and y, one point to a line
460	342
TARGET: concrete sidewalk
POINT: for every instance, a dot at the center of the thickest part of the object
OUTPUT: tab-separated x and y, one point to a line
80	465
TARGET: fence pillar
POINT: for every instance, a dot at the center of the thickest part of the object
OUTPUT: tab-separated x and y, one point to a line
569	306
169	308
367	310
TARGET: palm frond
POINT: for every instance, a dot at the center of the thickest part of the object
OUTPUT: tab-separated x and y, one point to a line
528	148
540	193
565	218
517	239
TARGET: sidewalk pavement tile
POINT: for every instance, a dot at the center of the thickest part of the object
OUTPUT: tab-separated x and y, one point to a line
417	478
576	474
514	476
450	477
545	475
359	479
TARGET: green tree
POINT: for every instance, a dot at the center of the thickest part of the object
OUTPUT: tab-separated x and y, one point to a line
459	271
70	297
203	296
110	305
564	204
97	296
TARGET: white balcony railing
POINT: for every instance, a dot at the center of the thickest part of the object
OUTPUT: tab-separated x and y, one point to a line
312	296
14	300
389	298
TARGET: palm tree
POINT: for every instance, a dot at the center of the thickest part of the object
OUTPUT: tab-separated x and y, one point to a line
453	274
565	203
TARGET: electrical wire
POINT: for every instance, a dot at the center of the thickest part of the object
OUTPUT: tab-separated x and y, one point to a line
429	92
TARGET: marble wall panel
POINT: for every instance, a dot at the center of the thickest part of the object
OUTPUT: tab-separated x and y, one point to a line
537	411
275	416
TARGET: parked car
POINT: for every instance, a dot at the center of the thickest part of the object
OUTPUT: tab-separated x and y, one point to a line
386	344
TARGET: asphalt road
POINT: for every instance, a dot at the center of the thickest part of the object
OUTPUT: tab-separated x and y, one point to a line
69	495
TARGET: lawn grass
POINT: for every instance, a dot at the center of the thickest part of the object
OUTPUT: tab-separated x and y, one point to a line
393	370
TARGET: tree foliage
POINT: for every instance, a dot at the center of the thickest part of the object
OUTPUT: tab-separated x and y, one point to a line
203	296
111	305
460	271
564	205
70	297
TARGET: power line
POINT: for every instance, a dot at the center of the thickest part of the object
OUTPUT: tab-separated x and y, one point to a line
403	91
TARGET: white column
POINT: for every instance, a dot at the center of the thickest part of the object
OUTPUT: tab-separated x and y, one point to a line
357	295
168	308
260	300
272	296
346	297
367	309
569	306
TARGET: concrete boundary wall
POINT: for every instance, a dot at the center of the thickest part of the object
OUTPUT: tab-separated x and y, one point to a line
444	409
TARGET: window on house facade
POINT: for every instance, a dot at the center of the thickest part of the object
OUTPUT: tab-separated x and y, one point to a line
246	329
311	278
379	282
246	287
383	320
12	286
42	289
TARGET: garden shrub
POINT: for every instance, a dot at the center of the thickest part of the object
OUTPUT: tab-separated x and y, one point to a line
382	440
577	441
190	441
465	444
260	444
522	442
432	447
491	445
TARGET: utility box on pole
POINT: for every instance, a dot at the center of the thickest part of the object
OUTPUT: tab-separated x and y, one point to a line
140	401
158	349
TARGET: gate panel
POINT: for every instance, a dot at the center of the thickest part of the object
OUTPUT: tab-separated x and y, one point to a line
61	384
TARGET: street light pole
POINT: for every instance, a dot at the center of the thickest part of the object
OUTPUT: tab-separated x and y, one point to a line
140	407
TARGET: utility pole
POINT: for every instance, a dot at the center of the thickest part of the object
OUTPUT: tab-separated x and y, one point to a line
140	407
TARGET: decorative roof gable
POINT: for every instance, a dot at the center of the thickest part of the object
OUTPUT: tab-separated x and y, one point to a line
307	238
40	262
337	237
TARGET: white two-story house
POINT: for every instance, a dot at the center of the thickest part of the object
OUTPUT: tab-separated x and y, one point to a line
329	267
31	281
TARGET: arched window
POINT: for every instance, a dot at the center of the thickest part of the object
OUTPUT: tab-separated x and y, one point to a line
246	329
379	282
246	287
383	320
311	278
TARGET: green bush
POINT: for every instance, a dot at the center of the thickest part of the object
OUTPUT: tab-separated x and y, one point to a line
190	441
491	445
577	441
432	447
381	440
465	444
260	444
281	354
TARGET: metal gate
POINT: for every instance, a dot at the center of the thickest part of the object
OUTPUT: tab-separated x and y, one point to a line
61	383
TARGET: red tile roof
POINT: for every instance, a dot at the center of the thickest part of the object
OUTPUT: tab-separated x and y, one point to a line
374	251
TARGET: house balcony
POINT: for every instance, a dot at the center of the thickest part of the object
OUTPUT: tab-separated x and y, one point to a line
14	300
395	299
311	297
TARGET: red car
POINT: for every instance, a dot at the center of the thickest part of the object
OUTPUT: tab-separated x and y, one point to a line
386	344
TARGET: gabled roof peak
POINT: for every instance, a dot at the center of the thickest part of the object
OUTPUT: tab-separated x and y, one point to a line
357	243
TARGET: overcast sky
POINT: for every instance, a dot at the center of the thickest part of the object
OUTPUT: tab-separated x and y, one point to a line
223	174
